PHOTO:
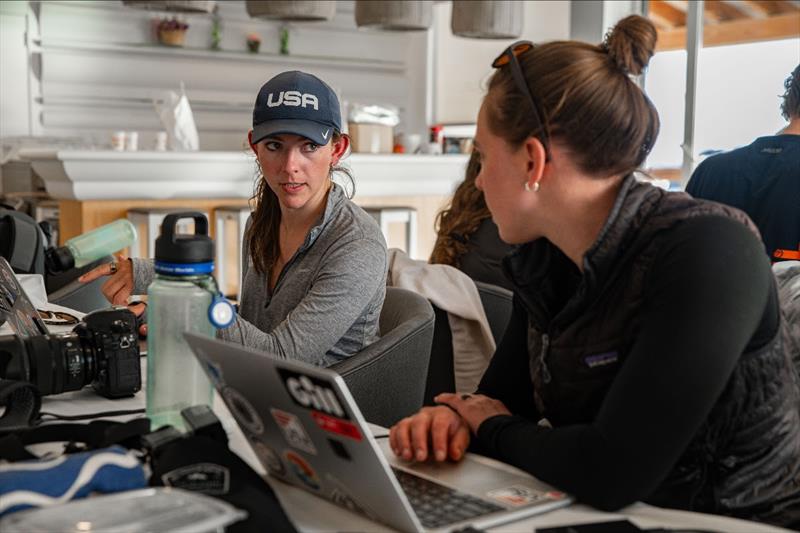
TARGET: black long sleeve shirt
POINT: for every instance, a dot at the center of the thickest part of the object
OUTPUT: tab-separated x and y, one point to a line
709	297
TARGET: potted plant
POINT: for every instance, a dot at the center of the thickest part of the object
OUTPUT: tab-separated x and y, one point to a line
172	32
253	42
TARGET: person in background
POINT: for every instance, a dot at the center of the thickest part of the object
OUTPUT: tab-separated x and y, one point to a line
644	359
467	238
762	179
314	263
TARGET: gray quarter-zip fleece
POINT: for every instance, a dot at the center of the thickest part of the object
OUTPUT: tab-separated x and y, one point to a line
328	298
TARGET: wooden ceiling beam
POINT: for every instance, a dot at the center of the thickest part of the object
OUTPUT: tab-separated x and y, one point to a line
667	14
735	32
721	11
772	7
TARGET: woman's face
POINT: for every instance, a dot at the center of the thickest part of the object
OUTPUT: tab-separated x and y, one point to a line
502	179
297	169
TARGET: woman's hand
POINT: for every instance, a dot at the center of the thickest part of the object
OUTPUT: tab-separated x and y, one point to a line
438	427
119	287
473	408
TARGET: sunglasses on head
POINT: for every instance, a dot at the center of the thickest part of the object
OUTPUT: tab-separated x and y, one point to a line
509	57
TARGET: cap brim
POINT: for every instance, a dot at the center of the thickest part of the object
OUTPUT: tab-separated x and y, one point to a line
309	129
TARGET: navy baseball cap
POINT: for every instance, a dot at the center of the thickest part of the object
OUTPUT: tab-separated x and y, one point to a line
298	103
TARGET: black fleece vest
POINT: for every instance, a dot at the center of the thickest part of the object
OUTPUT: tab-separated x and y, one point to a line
745	459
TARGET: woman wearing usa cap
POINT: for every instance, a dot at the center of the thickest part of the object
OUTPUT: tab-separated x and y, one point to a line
645	356
314	264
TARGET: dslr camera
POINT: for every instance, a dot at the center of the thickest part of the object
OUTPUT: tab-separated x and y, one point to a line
102	350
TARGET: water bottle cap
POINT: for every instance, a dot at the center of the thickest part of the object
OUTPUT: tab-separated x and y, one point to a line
184	248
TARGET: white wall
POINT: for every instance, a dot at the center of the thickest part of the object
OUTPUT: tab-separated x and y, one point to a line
14	117
463	65
101	67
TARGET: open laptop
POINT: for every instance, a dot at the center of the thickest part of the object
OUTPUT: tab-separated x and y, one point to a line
306	429
15	306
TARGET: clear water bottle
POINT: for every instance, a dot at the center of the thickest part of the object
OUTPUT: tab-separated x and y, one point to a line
90	246
183	297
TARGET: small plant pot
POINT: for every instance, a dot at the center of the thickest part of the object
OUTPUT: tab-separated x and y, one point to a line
172	37
253	46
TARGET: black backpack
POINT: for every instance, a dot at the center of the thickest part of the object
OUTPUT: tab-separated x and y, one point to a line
22	242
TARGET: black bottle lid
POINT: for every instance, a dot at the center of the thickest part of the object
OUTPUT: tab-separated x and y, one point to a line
184	248
59	259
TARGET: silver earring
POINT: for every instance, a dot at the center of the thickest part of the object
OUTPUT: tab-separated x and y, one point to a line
535	187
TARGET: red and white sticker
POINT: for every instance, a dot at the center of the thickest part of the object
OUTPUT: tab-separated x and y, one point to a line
336	425
293	431
518	495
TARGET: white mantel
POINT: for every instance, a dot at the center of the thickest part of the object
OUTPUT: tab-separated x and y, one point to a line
107	175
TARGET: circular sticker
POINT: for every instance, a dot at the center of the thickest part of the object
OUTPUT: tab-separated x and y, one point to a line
269	458
242	411
302	470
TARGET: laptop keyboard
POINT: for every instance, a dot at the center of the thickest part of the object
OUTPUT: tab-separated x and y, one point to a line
437	505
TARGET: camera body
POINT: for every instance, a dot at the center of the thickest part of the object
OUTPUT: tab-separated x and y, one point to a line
101	350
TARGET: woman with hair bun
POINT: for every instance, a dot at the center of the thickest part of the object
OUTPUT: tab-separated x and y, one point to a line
645	356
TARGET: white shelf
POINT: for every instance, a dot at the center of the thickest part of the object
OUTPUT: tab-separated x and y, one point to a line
204	53
109	175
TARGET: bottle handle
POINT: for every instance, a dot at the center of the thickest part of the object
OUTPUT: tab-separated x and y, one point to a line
171	220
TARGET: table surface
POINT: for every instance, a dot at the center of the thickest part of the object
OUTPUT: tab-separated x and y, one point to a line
328	517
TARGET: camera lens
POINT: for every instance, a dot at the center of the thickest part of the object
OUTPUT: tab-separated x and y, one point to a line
54	363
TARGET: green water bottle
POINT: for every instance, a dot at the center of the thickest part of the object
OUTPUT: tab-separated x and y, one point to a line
88	247
183	298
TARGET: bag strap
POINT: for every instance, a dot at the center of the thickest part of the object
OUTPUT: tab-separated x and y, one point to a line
22	401
96	434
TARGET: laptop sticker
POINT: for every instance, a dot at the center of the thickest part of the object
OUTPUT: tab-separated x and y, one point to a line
243	412
269	457
312	393
293	431
339	449
214	371
517	495
340	496
336	425
302	470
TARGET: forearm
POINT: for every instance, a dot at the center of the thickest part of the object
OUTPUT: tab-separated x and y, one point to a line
143	274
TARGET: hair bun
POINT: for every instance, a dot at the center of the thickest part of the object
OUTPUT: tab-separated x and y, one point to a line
631	43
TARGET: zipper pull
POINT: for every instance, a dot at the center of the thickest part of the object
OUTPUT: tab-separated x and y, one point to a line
542	355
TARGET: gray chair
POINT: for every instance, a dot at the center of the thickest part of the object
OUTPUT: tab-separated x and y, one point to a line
387	378
441	378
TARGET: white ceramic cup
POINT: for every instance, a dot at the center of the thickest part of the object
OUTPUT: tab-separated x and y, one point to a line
118	140
132	141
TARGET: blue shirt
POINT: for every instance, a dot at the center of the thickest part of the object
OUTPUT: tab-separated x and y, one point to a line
763	180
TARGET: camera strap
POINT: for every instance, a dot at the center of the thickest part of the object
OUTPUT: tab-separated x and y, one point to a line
22	401
95	435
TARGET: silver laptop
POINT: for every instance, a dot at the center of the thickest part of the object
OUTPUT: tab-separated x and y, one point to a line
306	429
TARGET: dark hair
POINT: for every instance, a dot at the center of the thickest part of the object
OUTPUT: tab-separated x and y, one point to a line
790	108
262	237
461	219
587	97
